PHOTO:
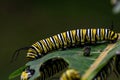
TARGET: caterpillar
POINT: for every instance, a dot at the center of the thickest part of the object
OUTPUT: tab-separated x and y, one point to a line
47	70
70	74
110	67
68	39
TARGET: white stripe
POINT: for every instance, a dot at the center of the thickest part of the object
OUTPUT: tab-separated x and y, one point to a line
78	33
39	44
34	47
98	32
59	37
62	38
31	54
55	40
81	34
68	35
89	33
47	42
51	39
44	41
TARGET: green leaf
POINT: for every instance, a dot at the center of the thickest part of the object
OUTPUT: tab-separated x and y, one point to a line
104	61
74	57
17	72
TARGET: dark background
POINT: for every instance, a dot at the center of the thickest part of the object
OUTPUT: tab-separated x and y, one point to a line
22	22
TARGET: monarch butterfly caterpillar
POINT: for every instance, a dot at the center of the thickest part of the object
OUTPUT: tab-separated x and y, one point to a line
110	67
70	74
78	37
47	69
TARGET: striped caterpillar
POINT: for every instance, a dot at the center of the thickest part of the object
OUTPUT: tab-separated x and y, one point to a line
78	37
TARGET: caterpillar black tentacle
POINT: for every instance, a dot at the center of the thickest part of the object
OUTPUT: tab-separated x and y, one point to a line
72	38
16	53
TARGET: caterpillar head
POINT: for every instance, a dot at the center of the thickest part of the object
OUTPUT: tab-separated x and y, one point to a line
27	74
113	37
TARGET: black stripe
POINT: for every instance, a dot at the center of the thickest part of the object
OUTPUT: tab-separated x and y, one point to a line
104	34
70	37
65	39
90	36
76	37
80	36
47	44
61	40
96	37
86	37
35	50
42	47
38	55
100	34
113	35
107	33
54	42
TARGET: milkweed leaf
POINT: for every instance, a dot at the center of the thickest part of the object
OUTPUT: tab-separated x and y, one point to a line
74	57
17	72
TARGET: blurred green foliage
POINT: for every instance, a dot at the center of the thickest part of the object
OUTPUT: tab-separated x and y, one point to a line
23	22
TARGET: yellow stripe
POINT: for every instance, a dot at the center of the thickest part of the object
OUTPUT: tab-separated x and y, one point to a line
46	49
93	35
73	36
58	42
66	40
84	34
51	44
102	34
109	35
38	48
